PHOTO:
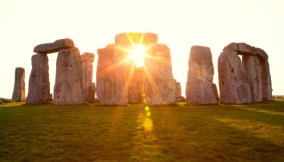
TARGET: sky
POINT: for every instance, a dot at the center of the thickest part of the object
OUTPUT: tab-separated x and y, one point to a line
180	24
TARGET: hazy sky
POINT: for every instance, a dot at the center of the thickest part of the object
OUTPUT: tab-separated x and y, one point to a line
93	24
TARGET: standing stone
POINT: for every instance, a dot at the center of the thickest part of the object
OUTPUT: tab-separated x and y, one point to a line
19	93
136	90
200	84
178	91
68	82
113	75
215	90
87	60
266	81
160	86
253	70
233	83
39	89
94	91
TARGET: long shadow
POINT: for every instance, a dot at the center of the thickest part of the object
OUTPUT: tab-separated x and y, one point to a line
257	113
197	136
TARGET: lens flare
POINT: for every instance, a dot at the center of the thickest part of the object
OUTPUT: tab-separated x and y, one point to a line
148	124
137	53
147	109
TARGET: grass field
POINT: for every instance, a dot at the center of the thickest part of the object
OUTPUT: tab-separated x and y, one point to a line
177	133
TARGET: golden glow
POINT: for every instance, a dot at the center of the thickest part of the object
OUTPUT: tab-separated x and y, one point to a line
137	52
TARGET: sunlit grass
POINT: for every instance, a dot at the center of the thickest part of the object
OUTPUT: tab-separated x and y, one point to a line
139	133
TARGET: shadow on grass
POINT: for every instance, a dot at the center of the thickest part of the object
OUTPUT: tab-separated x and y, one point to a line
194	136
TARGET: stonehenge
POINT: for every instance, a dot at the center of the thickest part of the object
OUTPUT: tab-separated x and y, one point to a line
243	72
247	80
200	88
19	93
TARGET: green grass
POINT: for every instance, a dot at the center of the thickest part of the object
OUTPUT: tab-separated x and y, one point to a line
177	133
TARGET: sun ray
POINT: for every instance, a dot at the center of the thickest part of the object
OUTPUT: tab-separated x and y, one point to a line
152	83
128	80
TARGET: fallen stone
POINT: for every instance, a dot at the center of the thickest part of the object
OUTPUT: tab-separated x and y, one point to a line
68	82
19	93
6	100
200	84
39	88
55	46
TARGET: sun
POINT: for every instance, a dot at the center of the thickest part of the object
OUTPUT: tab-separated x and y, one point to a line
137	52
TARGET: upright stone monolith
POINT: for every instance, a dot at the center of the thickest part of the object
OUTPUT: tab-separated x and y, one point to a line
87	60
179	98
113	74
39	89
200	86
68	87
160	86
19	93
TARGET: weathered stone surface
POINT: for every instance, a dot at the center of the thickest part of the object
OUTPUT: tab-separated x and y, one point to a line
87	76
19	93
39	87
200	88
160	87
266	81
215	90
113	75
136	90
136	38
55	46
233	83
253	70
178	91
94	91
87	56
50	97
254	73
68	81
